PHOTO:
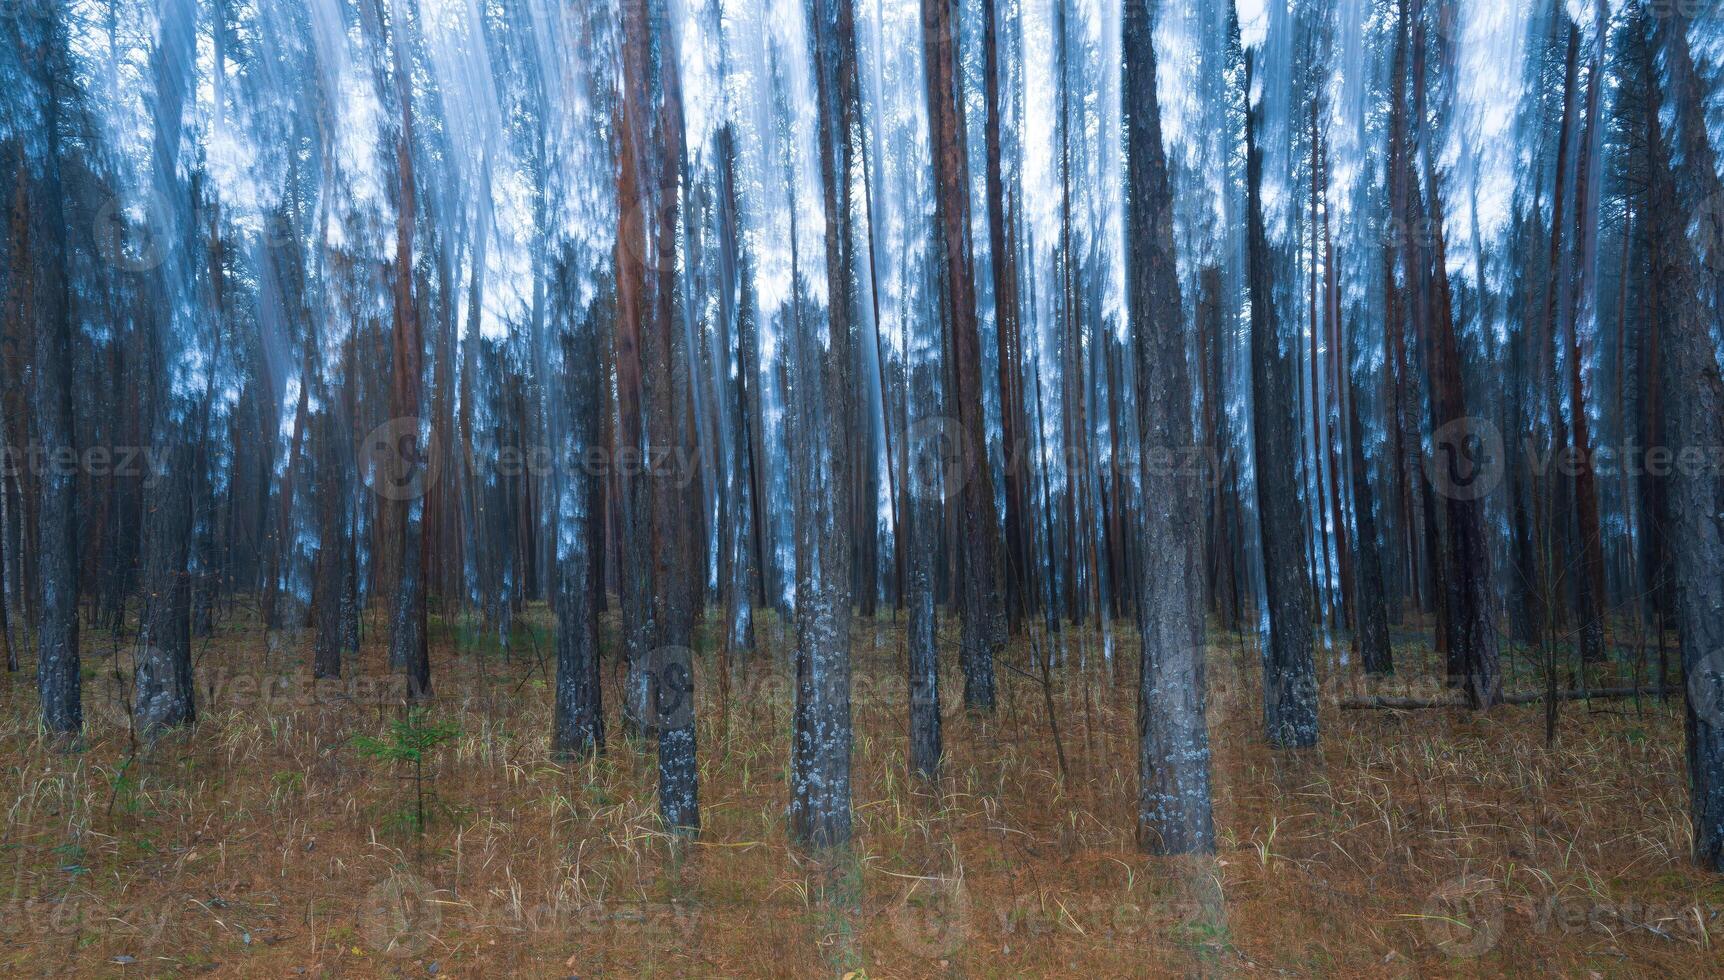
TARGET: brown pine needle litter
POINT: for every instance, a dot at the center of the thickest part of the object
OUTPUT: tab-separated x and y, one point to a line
261	843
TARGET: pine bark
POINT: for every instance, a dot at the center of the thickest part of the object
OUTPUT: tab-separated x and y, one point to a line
163	688
408	651
636	287
1289	670
578	726
1695	392
1002	248
1174	805
980	524
820	815
48	305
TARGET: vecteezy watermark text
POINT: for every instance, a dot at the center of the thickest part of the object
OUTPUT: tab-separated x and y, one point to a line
147	463
1469	459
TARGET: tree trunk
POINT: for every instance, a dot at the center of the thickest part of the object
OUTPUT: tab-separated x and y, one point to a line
1002	248
47	307
980	594
579	725
820	815
163	684
1290	673
1372	614
1695	393
1174	808
635	291
736	306
1589	581
408	650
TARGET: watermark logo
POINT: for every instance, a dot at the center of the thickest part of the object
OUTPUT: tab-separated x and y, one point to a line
400	915
1706	688
132	246
639	225
1464	917
78	914
399	460
1466	459
931	919
671	700
1396	232
1709	232
937	447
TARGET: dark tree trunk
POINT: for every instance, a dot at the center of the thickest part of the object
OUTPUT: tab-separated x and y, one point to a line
1465	598
980	593
163	684
650	151
47	301
921	520
736	305
282	535
1002	247
636	286
1289	671
1695	393
1372	613
579	725
1589	580
1174	808
408	650
1221	580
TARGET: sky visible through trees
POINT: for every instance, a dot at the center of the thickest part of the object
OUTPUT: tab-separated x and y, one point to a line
1102	331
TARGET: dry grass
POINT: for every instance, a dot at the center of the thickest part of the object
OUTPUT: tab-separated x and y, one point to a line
263	844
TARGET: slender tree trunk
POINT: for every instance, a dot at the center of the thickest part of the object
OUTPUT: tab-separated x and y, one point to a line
1002	247
408	651
332	546
1290	674
1174	808
820	814
634	305
921	520
1589	582
1466	597
736	304
163	683
1372	614
48	307
579	725
976	494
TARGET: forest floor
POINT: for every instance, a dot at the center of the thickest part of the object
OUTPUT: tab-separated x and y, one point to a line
266	843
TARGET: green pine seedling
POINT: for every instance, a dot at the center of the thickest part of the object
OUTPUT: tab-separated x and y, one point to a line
411	740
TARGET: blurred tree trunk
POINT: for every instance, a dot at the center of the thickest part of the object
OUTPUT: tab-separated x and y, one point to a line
40	233
164	693
1174	805
1372	614
579	724
980	529
1002	248
736	304
820	815
408	651
635	292
1695	393
1589	579
1290	674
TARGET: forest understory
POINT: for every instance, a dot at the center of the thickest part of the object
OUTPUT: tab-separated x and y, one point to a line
267	842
